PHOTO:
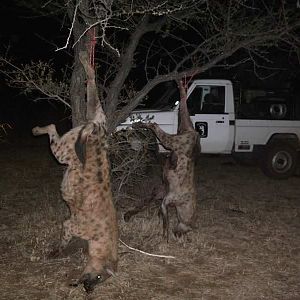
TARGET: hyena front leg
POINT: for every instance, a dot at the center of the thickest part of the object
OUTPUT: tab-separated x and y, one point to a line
66	238
165	214
185	208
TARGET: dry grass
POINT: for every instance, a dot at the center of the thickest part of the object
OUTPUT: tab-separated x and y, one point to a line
246	245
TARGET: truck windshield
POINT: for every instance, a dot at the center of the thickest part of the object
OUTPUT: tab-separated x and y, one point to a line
164	97
206	99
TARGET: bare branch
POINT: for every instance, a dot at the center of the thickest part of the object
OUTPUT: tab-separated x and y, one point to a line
127	61
36	77
71	29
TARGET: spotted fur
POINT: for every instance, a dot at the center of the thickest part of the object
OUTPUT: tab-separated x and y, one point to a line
179	168
86	188
179	175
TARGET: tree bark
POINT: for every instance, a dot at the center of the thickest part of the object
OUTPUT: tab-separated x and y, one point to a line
78	79
77	94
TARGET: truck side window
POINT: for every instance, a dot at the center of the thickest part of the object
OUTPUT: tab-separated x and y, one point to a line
194	101
214	101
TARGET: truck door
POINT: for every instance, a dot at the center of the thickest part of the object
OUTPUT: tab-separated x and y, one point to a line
206	105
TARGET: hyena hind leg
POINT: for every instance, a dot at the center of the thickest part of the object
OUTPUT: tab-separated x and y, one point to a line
50	129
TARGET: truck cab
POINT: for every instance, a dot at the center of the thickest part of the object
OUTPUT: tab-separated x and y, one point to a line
211	107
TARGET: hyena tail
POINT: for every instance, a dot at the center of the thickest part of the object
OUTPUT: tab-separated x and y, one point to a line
80	144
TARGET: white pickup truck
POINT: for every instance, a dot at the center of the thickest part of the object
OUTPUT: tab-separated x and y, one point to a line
256	124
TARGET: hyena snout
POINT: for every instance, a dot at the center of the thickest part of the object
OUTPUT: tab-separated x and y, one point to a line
90	280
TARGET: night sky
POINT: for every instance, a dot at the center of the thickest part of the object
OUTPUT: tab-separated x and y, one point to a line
24	38
24	33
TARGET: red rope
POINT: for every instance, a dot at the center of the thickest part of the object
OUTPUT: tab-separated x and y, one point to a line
93	42
187	80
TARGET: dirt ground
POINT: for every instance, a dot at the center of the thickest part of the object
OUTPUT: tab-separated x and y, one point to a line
247	245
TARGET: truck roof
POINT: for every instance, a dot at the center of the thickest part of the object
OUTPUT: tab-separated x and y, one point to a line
212	81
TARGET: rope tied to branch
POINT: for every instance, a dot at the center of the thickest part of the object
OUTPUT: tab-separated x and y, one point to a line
93	42
187	80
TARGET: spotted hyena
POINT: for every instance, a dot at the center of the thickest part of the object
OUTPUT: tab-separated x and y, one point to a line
86	189
179	175
179	169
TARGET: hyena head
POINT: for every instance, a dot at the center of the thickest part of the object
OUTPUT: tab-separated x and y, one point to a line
92	278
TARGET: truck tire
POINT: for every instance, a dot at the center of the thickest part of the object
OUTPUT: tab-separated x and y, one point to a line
278	111
279	161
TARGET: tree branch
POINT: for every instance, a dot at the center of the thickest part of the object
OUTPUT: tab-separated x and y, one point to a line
175	75
126	62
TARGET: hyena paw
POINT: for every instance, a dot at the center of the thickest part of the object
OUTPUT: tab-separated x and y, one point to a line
36	130
181	230
54	253
178	234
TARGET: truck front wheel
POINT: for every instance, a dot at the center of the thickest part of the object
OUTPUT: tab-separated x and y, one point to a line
279	161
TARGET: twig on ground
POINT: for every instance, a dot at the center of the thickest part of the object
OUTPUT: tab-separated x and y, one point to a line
147	253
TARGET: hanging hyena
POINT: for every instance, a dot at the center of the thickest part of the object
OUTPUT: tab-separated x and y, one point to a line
87	191
179	169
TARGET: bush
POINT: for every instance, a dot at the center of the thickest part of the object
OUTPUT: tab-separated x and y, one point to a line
131	153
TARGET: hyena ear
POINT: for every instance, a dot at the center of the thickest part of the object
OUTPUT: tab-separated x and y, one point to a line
110	272
80	144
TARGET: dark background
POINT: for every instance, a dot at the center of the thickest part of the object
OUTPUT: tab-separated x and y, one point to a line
25	38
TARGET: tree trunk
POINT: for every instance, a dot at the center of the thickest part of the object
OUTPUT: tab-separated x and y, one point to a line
78	80
77	92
